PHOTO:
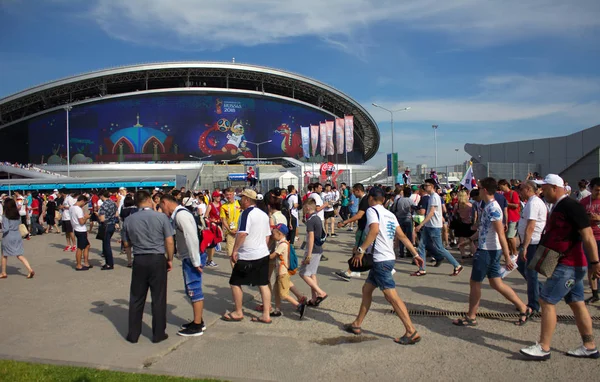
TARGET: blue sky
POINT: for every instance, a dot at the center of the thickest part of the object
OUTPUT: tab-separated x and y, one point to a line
484	71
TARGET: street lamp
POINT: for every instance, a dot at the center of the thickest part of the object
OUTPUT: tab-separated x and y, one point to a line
392	119
67	110
258	154
456	157
435	127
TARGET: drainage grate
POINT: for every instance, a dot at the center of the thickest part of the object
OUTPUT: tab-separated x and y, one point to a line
489	315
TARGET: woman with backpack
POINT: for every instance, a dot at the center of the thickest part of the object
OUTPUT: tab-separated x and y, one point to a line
12	242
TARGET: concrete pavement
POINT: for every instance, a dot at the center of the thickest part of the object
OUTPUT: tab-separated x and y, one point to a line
80	318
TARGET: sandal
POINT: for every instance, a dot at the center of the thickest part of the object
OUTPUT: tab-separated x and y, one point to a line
356	330
259	308
465	321
276	313
419	273
3	276
260	320
319	300
229	318
457	270
408	340
311	303
31	274
524	317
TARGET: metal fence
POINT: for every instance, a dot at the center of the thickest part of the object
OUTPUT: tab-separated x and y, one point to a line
504	170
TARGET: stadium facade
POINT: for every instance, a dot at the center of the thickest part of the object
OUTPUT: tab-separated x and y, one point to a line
165	112
573	157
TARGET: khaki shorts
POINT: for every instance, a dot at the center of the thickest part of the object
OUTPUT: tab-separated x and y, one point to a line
230	241
512	230
283	285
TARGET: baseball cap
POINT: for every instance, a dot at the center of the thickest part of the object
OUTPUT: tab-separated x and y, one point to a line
415	187
55	190
122	188
215	194
552	179
376	192
249	194
51	197
282	228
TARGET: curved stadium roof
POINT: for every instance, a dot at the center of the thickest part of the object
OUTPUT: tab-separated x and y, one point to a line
205	76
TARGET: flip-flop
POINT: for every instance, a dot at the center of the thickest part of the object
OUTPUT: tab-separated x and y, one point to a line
3	276
457	271
419	273
319	300
30	276
260	320
259	308
311	303
524	317
89	266
356	330
408	340
84	268
229	318
465	321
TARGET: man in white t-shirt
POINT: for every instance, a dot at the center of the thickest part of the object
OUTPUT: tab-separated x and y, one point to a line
78	220
316	195
68	202
486	262
293	204
431	232
251	257
531	225
382	228
328	197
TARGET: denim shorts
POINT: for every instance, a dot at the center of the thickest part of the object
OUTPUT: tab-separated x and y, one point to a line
192	279
486	263
566	282
381	275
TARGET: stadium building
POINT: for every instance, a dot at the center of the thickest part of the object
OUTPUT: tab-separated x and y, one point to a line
153	119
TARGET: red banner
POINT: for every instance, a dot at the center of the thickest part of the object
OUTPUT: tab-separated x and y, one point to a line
314	138
349	124
330	145
323	138
339	135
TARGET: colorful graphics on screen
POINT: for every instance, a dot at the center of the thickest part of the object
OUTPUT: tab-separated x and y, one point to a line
171	127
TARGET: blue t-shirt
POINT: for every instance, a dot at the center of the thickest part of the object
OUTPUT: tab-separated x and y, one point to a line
502	203
353	203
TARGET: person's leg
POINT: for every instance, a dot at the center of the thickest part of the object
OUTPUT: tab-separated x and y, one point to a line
365	305
584	324
548	324
423	245
436	242
72	236
3	266
311	281
230	242
277	294
128	252
391	295
106	247
86	255
78	255
474	299
332	223
265	293
508	293
210	252
137	297
237	294
533	284
158	291
25	263
198	308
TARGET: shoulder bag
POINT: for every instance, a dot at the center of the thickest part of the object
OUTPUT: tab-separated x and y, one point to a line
367	260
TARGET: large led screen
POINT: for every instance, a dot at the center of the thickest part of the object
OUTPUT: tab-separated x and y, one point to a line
171	127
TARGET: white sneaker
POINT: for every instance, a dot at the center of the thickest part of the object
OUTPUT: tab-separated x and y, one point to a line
393	271
354	274
583	352
536	352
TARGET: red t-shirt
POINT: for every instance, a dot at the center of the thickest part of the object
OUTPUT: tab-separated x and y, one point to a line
35	207
513	213
562	232
592	207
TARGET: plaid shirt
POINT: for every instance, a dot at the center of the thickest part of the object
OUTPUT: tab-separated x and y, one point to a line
109	210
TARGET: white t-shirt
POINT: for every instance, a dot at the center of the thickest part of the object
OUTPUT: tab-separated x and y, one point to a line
99	203
293	199
328	197
535	209
255	223
319	202
76	213
384	242
201	209
416	198
68	203
488	238
1	208
582	194
436	220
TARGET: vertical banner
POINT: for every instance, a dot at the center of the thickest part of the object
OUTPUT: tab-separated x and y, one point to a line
314	138
330	145
392	165
304	131
323	138
349	124
339	135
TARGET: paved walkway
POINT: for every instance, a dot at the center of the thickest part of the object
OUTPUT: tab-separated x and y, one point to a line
80	318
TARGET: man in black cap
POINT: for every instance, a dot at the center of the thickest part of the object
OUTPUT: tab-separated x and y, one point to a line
150	234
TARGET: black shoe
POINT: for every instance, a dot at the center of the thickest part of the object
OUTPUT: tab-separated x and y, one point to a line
129	339
301	310
324	258
191	323
342	275
161	339
107	267
193	330
334	235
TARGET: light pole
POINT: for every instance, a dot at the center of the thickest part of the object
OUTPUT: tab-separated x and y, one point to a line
68	109
435	127
457	157
258	155
391	120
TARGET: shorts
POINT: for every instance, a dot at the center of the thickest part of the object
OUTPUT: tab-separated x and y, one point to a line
67	226
311	268
566	282
283	285
229	241
359	237
250	272
192	279
50	219
381	275
329	214
512	230
486	263
82	240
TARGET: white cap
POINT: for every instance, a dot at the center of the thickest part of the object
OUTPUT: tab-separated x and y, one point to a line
156	189
122	188
55	190
552	179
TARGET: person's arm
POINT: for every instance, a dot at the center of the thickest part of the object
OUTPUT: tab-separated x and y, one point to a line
591	249
359	252
400	235
322	206
102	214
170	248
240	237
224	222
499	228
353	219
427	218
310	245
505	218
83	219
187	225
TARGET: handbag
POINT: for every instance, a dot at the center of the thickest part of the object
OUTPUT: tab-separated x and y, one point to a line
23	230
56	215
101	232
367	263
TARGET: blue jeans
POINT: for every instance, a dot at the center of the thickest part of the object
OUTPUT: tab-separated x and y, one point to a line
533	285
486	263
192	278
381	275
432	238
566	282
407	228
106	248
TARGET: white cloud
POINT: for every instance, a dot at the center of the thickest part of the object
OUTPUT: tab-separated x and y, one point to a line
212	24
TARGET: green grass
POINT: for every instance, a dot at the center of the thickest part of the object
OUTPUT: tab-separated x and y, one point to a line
23	371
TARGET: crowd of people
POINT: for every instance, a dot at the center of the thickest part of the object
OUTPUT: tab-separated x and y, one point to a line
499	225
29	167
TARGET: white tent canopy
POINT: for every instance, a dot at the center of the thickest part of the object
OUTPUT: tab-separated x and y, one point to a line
271	180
